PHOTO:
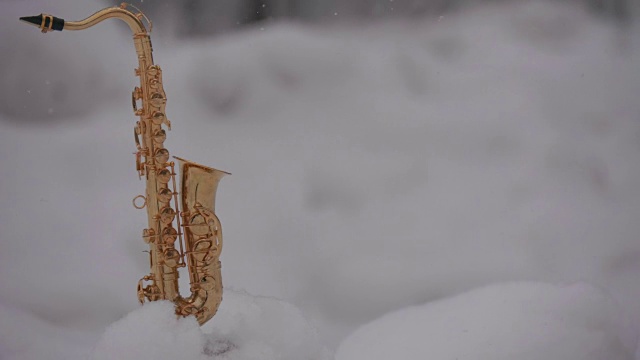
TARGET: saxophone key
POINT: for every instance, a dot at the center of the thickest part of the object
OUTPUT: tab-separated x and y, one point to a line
171	258
169	235
207	283
159	136
152	292
136	95
158	117
157	99
165	195
154	83
164	176
161	156
154	70
149	236
167	214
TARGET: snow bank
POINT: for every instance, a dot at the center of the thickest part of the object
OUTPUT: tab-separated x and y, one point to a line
523	321
264	328
245	328
152	332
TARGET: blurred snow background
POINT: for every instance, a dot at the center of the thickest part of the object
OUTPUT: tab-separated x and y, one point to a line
377	165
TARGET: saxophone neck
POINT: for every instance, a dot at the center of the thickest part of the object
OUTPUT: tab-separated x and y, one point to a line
48	23
141	39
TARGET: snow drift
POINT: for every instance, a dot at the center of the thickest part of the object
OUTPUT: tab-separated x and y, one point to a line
523	321
246	327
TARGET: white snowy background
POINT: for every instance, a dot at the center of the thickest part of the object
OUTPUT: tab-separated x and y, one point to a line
461	187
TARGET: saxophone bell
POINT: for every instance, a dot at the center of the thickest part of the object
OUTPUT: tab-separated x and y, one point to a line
202	238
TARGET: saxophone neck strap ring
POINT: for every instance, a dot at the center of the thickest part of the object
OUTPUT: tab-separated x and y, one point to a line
137	205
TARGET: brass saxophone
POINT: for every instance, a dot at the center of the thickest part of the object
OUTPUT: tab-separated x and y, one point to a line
197	221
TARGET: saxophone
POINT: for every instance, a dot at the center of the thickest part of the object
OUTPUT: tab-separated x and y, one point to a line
197	221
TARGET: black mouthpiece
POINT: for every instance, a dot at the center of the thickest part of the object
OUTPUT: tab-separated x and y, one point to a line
45	22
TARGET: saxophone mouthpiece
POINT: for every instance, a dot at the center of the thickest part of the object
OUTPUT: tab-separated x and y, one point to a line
45	22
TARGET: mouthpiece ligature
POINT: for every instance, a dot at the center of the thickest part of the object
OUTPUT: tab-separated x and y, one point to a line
45	22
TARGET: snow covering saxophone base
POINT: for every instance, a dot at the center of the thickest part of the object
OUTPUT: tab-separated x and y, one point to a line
197	221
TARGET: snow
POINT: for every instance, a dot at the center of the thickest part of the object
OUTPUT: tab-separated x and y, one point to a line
23	336
375	167
152	332
524	321
246	327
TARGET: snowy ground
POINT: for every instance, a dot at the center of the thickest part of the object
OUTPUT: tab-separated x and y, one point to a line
375	168
524	321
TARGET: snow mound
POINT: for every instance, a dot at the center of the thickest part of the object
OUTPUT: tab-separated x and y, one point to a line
506	321
152	332
263	328
245	327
